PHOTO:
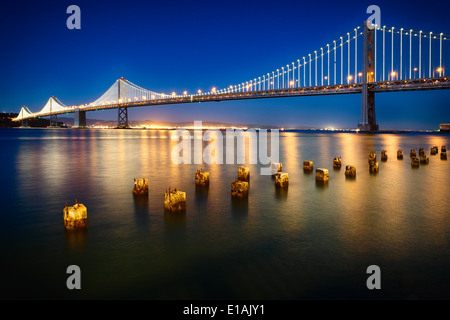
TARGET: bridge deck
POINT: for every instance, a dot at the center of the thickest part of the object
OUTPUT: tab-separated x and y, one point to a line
381	86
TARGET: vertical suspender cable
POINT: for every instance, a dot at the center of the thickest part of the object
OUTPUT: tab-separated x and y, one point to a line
356	56
334	62
321	66
315	76
420	54
328	70
401	53
384	51
410	50
348	56
342	60
375	55
429	74
440	55
392	54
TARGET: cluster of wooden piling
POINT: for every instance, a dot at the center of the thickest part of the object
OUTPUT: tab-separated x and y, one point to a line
424	158
75	217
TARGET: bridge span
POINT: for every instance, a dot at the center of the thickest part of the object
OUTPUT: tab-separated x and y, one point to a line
297	79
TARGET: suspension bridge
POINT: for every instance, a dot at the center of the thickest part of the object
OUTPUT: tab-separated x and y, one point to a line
370	59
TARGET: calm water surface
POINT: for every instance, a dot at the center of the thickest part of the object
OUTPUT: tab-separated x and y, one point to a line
311	241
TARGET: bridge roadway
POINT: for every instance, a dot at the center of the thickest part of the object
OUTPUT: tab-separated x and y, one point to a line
380	86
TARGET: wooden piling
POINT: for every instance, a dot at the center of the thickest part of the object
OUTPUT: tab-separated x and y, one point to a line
281	180
201	178
140	186
322	175
350	171
308	166
239	189
75	217
174	200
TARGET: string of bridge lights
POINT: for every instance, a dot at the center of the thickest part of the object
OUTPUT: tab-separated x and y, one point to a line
285	77
294	74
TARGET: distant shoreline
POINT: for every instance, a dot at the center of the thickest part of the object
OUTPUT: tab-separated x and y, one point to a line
269	128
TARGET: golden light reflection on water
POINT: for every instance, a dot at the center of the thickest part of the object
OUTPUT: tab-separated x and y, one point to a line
391	215
383	210
291	157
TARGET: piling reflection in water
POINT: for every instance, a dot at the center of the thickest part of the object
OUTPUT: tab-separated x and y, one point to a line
76	240
175	219
281	193
141	204
240	207
201	197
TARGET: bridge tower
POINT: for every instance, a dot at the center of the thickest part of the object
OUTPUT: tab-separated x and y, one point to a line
122	118
53	117
368	121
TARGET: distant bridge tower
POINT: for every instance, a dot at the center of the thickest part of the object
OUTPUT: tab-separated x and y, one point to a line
122	119
368	121
53	117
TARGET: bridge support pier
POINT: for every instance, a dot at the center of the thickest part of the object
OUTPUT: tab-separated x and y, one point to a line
53	121
24	123
79	119
122	119
368	121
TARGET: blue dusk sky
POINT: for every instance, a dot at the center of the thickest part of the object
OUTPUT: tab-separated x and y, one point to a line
168	46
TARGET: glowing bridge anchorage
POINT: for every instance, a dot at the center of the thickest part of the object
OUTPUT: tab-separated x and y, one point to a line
390	59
